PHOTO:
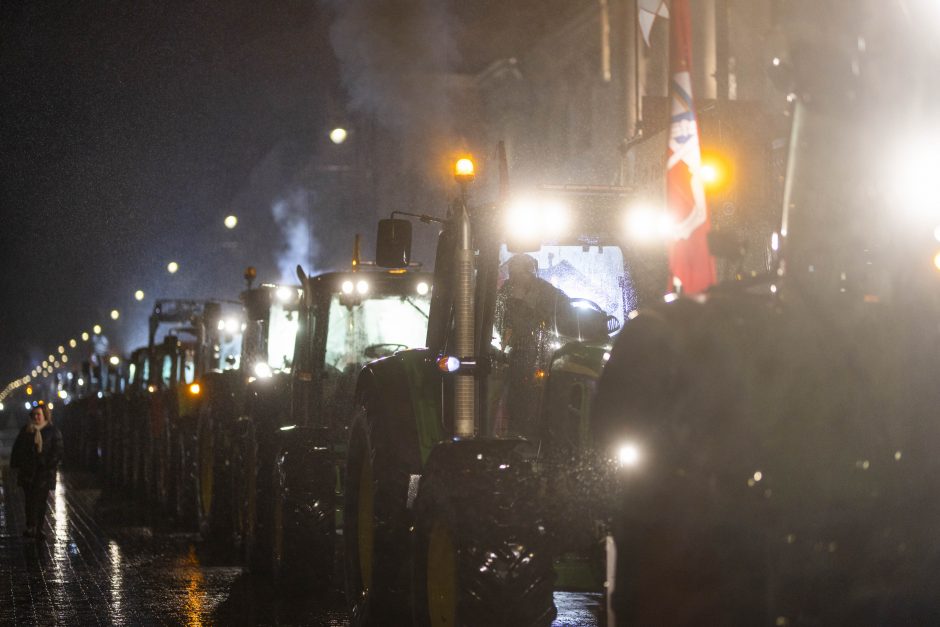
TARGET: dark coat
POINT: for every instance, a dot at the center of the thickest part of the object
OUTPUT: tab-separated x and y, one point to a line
37	468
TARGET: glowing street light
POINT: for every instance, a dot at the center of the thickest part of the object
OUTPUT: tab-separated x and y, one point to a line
139	295
115	314
84	336
114	360
97	329
338	135
61	349
231	222
73	343
172	267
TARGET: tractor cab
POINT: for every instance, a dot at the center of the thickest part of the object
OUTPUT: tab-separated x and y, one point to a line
349	319
553	280
271	315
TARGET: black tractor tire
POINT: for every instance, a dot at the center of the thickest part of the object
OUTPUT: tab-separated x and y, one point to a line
258	502
303	517
214	488
482	553
376	522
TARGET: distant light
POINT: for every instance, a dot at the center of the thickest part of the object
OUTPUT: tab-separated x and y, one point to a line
671	297
55	364
65	359
288	427
1	406
81	381
44	363
115	360
139	295
51	406
51	358
422	288
27	405
62	394
231	222
284	293
115	314
338	135
195	389
97	329
61	349
29	390
232	325
362	287
628	455
73	343
775	241
221	325
936	261
263	370
776	61
348	287
172	267
85	336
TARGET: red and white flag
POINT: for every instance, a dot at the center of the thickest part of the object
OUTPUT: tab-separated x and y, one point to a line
689	260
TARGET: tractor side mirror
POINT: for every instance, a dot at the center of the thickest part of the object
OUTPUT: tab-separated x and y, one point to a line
393	244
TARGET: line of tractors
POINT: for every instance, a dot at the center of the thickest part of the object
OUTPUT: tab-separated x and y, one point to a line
421	438
456	447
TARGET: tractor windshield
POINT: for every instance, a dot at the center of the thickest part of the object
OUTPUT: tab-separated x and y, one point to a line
544	300
373	328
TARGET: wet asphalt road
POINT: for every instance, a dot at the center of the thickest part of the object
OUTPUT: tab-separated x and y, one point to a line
107	560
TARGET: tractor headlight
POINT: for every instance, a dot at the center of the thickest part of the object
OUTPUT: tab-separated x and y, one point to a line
348	287
263	370
648	225
362	287
530	219
628	455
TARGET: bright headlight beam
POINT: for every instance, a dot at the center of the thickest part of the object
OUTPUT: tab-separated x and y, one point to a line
422	288
284	293
362	287
348	287
628	455
645	224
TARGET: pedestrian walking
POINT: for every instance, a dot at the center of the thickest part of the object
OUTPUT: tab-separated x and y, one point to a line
36	455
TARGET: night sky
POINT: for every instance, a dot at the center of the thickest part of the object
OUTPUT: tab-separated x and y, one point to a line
129	131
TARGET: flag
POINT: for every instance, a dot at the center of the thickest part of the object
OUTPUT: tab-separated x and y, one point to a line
646	13
689	259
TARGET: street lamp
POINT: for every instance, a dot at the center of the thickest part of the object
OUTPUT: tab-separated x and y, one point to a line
172	267
97	329
338	135
84	336
115	314
231	222
139	295
73	343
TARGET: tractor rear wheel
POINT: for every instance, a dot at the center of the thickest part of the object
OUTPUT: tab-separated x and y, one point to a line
482	554
375	525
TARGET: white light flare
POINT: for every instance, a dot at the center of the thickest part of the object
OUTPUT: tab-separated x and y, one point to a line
628	455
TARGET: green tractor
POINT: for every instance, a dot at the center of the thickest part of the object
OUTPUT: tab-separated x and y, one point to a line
205	337
773	457
449	517
228	398
294	437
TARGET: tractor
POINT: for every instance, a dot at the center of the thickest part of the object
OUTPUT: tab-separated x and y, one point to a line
294	436
456	449
769	447
230	397
205	337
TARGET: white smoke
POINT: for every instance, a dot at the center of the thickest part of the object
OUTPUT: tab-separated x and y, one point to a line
292	214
